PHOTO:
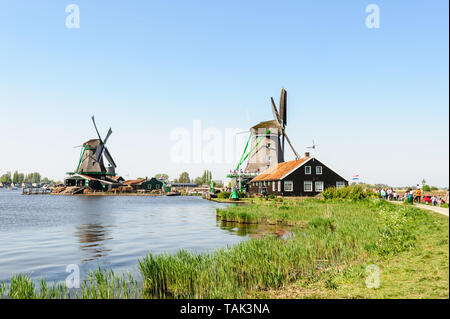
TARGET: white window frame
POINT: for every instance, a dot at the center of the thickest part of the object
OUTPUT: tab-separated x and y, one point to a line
340	184
315	186
288	183
273	186
306	171
279	186
304	186
321	170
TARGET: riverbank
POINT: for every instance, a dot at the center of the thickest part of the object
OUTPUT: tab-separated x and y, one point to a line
325	255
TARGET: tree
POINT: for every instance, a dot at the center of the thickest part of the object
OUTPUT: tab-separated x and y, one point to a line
15	177
184	178
206	177
426	188
21	178
6	178
198	181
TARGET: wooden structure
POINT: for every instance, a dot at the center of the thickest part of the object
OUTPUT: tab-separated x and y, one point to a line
144	184
302	177
91	171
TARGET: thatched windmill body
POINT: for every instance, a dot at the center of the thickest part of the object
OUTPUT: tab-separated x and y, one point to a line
91	160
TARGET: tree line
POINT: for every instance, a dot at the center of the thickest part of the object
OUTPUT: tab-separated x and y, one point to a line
20	178
184	177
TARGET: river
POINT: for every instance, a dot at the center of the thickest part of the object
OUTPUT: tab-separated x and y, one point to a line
40	235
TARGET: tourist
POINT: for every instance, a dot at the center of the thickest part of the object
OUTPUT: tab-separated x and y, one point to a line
418	194
383	194
433	200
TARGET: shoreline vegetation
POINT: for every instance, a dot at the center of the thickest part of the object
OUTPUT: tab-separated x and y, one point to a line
324	255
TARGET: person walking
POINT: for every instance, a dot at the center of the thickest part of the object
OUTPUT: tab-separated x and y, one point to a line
418	195
433	200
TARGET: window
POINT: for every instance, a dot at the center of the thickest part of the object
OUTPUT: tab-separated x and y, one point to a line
279	186
273	187
307	187
307	170
319	170
340	184
318	186
288	186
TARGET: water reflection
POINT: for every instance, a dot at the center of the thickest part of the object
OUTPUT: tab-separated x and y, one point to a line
94	229
254	230
91	238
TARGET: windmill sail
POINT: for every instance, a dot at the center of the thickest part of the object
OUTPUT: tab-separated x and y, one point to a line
109	158
283	107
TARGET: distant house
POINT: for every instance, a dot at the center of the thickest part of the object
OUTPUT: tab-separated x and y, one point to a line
144	184
303	177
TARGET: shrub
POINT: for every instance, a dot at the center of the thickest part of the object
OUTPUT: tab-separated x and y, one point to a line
223	195
354	192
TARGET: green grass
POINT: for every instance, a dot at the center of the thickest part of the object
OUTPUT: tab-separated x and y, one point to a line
324	256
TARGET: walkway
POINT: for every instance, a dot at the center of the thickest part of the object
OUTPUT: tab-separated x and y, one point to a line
436	209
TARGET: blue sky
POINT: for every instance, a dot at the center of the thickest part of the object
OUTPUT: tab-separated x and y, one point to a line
374	100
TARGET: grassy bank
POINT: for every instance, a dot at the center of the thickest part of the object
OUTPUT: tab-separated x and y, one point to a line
324	256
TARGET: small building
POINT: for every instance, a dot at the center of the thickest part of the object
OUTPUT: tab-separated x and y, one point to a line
184	187
302	177
144	184
80	180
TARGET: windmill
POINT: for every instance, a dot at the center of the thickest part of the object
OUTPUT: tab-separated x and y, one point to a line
91	159
263	152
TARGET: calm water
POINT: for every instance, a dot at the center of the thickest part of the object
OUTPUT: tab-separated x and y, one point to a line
42	234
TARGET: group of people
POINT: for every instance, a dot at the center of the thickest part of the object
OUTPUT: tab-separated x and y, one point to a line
387	193
411	196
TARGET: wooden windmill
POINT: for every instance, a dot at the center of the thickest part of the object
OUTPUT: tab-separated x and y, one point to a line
267	139
91	159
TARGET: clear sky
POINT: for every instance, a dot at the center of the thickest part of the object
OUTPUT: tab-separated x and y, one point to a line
374	100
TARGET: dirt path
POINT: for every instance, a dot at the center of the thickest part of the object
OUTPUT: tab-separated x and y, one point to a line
436	209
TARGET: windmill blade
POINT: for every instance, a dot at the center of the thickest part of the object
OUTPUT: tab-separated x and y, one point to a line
276	115
78	146
283	107
109	158
93	120
292	147
107	135
99	151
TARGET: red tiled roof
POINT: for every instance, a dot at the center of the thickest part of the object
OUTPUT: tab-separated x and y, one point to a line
277	172
134	181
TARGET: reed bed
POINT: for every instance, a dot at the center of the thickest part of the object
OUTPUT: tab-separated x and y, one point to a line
327	236
99	284
334	234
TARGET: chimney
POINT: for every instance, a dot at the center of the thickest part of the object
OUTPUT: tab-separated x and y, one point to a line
306	154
